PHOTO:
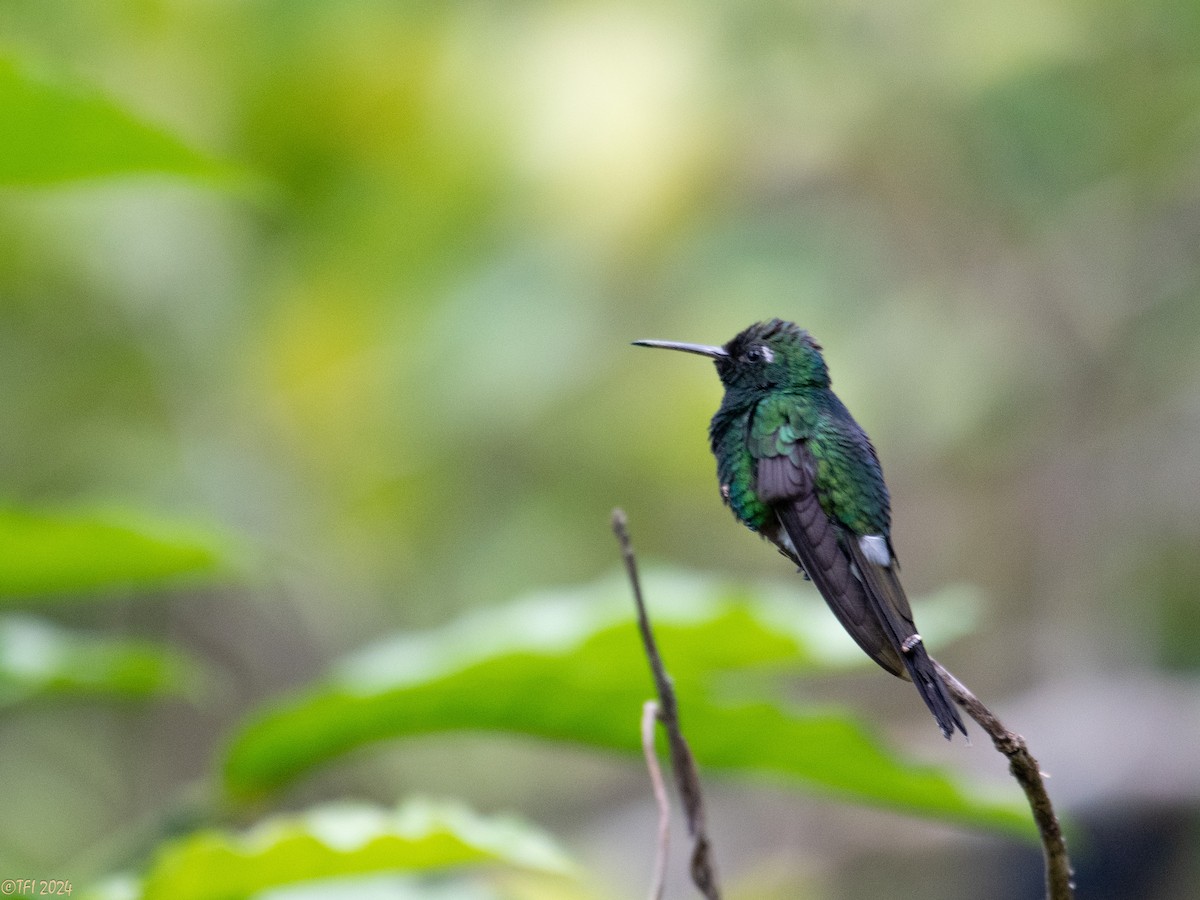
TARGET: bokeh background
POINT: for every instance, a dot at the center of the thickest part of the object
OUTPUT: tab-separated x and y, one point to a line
391	357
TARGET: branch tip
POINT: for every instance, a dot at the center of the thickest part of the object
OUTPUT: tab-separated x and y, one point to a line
1028	774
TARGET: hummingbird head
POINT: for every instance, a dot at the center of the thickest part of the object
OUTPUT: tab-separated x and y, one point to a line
766	356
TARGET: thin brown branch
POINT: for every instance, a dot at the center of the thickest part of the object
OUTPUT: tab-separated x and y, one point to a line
649	717
683	765
1024	768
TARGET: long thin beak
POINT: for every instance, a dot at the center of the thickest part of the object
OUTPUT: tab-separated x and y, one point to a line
701	349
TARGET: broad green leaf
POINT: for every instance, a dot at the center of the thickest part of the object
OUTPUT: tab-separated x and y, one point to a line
569	667
38	659
56	131
392	887
336	842
60	553
465	884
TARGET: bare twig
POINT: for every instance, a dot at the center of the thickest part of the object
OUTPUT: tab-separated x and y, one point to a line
1059	883
649	717
683	766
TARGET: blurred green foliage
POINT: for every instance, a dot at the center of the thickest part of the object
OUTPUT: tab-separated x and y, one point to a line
38	660
58	554
341	841
568	666
354	282
48	556
59	132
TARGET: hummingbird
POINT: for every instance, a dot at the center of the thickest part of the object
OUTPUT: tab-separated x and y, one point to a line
795	466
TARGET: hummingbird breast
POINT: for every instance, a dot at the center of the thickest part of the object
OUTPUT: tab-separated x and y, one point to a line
728	434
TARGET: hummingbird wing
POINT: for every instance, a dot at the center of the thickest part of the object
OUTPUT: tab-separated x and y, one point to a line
856	574
805	533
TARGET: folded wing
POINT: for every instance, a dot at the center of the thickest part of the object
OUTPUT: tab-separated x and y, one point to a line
808	536
855	574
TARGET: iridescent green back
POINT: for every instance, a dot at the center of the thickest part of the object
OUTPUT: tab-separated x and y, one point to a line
848	478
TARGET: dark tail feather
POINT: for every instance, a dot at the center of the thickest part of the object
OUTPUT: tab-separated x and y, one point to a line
933	690
887	598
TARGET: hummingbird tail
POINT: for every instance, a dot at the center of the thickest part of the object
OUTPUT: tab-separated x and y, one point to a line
932	689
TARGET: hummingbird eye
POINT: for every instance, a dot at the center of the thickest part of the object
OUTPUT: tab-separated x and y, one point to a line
760	354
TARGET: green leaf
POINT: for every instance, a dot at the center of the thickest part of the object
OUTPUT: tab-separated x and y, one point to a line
60	553
56	131
38	659
570	667
338	841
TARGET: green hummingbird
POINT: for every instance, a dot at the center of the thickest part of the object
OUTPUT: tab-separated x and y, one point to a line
795	467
